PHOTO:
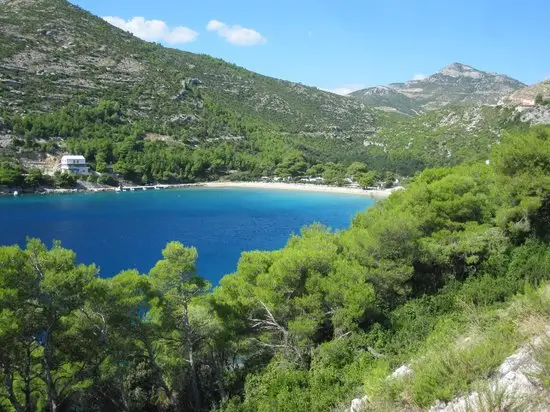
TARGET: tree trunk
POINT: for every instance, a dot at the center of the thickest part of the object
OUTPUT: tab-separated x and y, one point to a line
27	378
158	370
8	384
50	385
189	350
218	371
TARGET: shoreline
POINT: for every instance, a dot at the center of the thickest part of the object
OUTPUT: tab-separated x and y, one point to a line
304	187
300	187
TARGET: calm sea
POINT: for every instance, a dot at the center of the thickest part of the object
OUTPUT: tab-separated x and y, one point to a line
128	230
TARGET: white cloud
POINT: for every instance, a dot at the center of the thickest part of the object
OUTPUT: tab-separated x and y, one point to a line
154	30
419	76
237	35
345	89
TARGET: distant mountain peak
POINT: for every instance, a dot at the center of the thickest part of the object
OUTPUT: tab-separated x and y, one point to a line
456	83
460	70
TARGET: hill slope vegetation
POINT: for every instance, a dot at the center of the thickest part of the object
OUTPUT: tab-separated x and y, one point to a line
53	52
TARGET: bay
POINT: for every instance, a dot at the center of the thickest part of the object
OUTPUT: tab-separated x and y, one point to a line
128	230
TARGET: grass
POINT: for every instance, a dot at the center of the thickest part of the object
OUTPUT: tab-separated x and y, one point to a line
462	353
542	356
496	400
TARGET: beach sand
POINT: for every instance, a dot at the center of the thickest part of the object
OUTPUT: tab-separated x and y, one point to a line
379	194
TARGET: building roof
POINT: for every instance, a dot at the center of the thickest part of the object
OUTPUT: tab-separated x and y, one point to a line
73	157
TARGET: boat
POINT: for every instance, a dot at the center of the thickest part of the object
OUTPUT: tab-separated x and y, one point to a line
15	193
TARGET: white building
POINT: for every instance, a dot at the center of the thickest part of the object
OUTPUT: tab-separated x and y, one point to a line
74	164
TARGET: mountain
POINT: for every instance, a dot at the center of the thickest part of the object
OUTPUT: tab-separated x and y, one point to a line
53	53
527	95
456	83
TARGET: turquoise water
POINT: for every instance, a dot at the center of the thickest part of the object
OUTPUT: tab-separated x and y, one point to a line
128	230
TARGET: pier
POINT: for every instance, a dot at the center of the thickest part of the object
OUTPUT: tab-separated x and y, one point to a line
155	187
134	188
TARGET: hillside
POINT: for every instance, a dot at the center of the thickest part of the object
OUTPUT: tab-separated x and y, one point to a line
387	99
448	136
456	83
53	53
528	95
72	83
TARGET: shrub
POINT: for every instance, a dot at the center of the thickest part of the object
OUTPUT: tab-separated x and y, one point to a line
109	180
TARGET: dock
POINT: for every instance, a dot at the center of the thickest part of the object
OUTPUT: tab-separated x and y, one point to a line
137	188
155	187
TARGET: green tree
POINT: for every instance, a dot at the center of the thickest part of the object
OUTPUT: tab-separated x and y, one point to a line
356	169
176	278
9	175
293	164
64	180
368	179
46	294
34	178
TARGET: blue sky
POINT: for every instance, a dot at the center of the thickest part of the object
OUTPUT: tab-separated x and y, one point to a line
348	43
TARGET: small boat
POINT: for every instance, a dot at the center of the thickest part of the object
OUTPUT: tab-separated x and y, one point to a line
132	189
143	188
15	193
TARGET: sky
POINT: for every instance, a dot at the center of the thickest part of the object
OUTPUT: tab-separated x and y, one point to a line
347	44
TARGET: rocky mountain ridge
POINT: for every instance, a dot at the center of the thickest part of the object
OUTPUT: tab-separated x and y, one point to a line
456	83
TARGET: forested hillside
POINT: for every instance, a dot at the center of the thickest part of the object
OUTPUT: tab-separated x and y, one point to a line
70	82
54	53
450	276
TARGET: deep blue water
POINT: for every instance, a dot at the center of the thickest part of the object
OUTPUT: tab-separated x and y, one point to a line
128	230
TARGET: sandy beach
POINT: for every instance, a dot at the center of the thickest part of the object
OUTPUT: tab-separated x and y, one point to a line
379	194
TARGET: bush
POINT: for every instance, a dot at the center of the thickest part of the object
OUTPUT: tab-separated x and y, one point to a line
92	178
64	180
109	180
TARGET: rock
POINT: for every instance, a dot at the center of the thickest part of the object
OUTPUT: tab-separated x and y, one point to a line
186	86
336	130
193	82
181	95
183	119
358	404
534	115
401	372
